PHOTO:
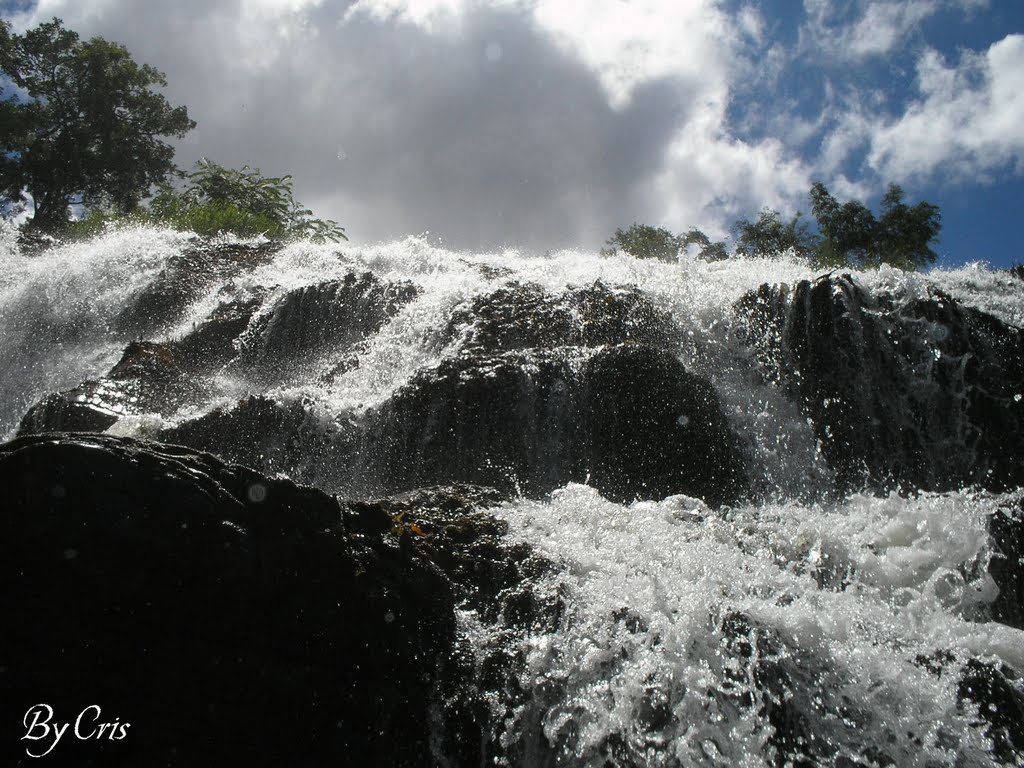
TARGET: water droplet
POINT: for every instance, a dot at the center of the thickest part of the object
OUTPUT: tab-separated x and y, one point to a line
683	420
257	493
342	154
389	617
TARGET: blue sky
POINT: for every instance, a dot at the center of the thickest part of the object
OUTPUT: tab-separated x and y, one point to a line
549	123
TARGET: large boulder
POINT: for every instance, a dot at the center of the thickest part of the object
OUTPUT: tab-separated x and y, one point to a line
629	419
188	276
272	436
525	316
307	323
914	393
232	617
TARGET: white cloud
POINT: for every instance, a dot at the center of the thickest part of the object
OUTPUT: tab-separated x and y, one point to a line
548	123
885	25
627	43
968	123
854	31
710	179
631	43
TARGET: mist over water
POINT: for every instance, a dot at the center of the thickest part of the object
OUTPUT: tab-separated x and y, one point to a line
848	597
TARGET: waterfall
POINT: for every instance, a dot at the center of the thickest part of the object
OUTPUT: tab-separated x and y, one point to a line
767	551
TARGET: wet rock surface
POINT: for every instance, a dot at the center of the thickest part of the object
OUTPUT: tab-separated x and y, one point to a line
264	434
502	589
525	316
1006	565
147	576
309	322
186	277
921	393
629	419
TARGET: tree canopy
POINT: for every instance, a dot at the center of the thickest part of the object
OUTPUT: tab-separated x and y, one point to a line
645	242
770	235
80	123
848	234
244	202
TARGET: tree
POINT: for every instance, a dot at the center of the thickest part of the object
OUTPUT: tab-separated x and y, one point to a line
851	235
709	251
82	124
645	242
244	202
905	233
770	235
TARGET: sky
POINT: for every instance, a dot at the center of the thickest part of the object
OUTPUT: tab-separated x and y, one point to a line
544	124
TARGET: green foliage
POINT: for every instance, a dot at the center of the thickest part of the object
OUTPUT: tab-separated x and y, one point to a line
645	242
82	125
848	235
220	200
852	236
770	236
709	251
905	233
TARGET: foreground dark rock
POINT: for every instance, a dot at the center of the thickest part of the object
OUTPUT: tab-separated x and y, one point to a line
236	619
923	394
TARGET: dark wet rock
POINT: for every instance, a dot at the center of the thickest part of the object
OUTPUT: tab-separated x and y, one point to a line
655	430
313	320
628	419
185	279
523	316
231	618
267	435
795	693
1006	565
503	421
998	693
992	697
149	378
922	393
72	411
500	583
213	343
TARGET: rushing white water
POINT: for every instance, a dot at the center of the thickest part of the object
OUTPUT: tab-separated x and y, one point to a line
857	591
851	593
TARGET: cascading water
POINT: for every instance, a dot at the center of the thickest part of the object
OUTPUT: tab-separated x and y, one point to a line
801	624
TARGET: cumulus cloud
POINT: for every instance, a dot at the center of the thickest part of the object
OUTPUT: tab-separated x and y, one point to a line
549	123
967	121
543	123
